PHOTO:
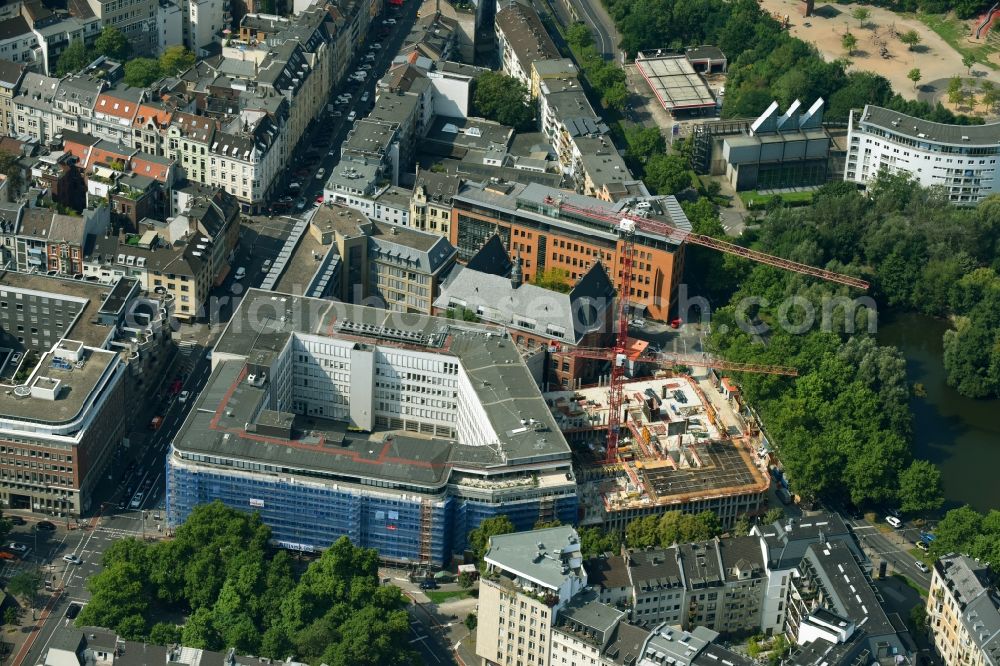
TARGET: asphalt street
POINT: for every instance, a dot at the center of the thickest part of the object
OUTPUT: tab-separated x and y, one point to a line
893	547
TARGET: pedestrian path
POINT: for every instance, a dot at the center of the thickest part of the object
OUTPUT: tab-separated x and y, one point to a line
187	355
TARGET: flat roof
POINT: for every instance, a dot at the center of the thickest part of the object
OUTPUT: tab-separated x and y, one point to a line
75	387
302	266
84	327
264	324
518	554
675	82
895	122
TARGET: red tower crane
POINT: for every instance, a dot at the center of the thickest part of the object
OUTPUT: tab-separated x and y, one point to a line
626	224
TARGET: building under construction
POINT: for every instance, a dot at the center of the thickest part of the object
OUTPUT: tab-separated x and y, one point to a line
679	451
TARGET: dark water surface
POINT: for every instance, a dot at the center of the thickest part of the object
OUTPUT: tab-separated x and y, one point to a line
959	435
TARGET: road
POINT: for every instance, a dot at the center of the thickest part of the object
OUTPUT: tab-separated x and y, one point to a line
597	19
893	547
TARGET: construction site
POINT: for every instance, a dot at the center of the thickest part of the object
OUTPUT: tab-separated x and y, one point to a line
679	450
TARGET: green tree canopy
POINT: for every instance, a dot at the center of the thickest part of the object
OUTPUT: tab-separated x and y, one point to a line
920	487
504	99
479	538
73	58
113	44
668	174
176	59
141	72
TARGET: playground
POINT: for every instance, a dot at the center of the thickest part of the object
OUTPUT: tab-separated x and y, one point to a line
879	48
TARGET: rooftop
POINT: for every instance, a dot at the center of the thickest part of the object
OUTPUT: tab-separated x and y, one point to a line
540	556
674	81
78	296
915	128
526	34
264	324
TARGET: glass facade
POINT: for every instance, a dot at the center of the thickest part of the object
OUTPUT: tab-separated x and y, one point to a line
312	516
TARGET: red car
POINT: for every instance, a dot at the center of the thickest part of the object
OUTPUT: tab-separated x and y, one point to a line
676	323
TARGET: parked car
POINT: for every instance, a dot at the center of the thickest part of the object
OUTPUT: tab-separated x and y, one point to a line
4	555
376	46
136	501
922	545
338	114
428	585
365	97
351	116
72	559
320	173
894	521
45	526
921	566
183	397
266	266
18	548
241	272
73	610
17	520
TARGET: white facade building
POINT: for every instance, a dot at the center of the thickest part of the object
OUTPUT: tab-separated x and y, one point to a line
169	24
960	158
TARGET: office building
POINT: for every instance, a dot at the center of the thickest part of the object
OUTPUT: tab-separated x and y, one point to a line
401	431
532	224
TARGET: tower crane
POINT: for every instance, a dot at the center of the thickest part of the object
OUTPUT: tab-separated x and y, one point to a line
627	224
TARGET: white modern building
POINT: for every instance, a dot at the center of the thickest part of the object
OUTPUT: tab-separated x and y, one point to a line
960	158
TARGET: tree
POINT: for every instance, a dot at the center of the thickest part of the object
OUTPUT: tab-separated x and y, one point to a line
918	618
644	142
861	14
968	60
920	487
914	75
479	538
73	58
142	72
616	96
10	168
504	99
668	174
470	621
773	515
165	633
579	36
849	41
911	38
25	586
743	525
112	43
465	580
554	279
10	616
594	541
545	524
176	59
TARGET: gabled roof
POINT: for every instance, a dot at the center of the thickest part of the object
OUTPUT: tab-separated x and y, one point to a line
154	113
151	166
10	73
121	103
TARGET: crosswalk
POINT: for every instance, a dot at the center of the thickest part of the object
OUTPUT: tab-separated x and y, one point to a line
187	354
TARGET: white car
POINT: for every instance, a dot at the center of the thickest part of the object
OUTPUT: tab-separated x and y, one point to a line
351	116
183	397
921	566
136	501
320	173
376	46
19	548
72	559
241	273
365	97
266	267
894	521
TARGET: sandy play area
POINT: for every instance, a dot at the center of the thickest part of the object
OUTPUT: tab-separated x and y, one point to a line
933	56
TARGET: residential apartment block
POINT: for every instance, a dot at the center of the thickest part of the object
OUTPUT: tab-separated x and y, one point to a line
668	606
963	612
962	159
521	40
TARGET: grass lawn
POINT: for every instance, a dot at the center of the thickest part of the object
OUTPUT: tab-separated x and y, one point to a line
921	556
753	198
440	596
952	30
919	590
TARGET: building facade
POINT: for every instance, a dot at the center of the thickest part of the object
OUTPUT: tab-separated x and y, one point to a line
958	158
371	424
531	225
963	612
